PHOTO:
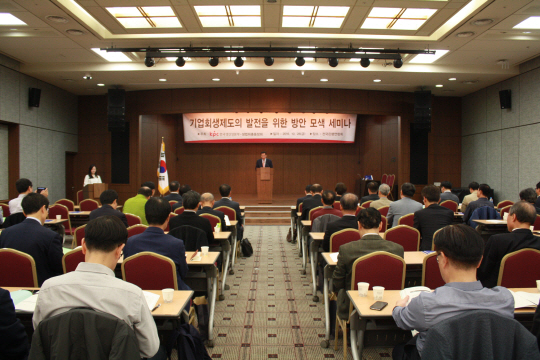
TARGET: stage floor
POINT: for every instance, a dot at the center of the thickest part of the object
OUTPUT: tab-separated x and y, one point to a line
278	200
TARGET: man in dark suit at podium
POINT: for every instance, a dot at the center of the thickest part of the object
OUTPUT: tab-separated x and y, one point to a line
264	162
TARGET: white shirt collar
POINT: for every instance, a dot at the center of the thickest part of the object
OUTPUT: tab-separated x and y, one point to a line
33	218
447	190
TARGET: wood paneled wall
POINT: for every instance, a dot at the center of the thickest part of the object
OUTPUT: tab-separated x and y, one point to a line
381	146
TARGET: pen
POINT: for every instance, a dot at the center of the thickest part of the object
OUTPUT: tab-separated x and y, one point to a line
194	254
155	307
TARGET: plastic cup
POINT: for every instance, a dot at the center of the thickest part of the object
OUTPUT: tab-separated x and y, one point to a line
204	250
538	284
58	217
363	289
505	216
168	295
378	292
532	228
217	229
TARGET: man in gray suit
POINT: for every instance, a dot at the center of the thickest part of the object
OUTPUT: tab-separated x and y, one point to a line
404	206
446	192
369	224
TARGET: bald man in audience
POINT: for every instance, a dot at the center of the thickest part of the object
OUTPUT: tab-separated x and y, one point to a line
520	219
348	205
207	203
328	197
383	201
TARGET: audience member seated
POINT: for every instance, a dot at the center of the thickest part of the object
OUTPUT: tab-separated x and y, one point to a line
328	198
446	192
369	225
225	191
404	206
433	217
372	189
13	339
109	204
32	238
24	187
93	285
383	201
313	201
537	190
174	195
135	205
340	190
483	193
191	201
207	207
473	196
348	205
150	185
183	189
529	195
459	253
155	240
307	195
521	217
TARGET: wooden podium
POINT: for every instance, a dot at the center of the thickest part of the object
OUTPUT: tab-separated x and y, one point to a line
265	183
93	191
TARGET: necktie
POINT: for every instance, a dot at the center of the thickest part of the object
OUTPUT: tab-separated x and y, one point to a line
264	163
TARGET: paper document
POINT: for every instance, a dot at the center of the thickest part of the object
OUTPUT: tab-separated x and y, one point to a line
333	256
428	251
151	299
19	295
413	292
27	305
227	221
496	221
524	299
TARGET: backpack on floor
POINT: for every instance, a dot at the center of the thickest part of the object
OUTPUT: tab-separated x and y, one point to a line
188	343
247	249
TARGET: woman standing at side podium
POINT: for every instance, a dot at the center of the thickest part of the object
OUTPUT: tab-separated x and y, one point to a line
92	177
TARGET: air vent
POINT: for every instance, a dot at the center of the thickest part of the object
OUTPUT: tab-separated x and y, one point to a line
57	19
75	32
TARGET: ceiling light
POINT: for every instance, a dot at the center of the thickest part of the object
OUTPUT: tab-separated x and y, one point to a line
398	63
300	61
526	32
57	19
324	80
428	58
229	15
469	82
145	17
238	62
377	80
314	16
180	61
149	62
100	84
162	79
439	85
8	19
87	77
215	79
333	62
365	62
532	22
397	18
482	22
75	32
213	61
452	79
268	61
269	80
111	56
465	34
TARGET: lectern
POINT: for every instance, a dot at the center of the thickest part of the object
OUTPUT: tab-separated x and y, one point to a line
93	191
265	183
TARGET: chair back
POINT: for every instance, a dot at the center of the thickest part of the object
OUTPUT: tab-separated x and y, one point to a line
504	203
171	215
452	205
380	268
192	237
433	239
179	210
321	222
230	212
5	210
337	205
17	269
172	202
136	230
72	259
384	210
520	269
390	180
407	220
133	219
404	235
505	210
80	197
59	209
214	220
431	274
312	211
365	204
78	235
89	205
150	271
537	223
384	224
343	237
300	206
358	209
67	203
384	178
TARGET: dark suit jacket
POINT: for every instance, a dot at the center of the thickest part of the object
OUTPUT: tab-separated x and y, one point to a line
13	339
429	220
108	210
192	237
43	244
371	197
233	205
301	200
174	197
219	214
311	203
475	205
497	247
268	163
192	219
155	240
346	222
348	254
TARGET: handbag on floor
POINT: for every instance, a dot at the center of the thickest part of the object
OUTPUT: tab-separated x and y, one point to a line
289	235
247	249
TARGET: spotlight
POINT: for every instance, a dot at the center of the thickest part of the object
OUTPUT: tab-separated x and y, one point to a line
149	62
365	62
180	62
87	77
268	61
300	61
398	63
333	62
238	62
213	61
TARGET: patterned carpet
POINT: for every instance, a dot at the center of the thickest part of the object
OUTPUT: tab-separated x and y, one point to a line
268	313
